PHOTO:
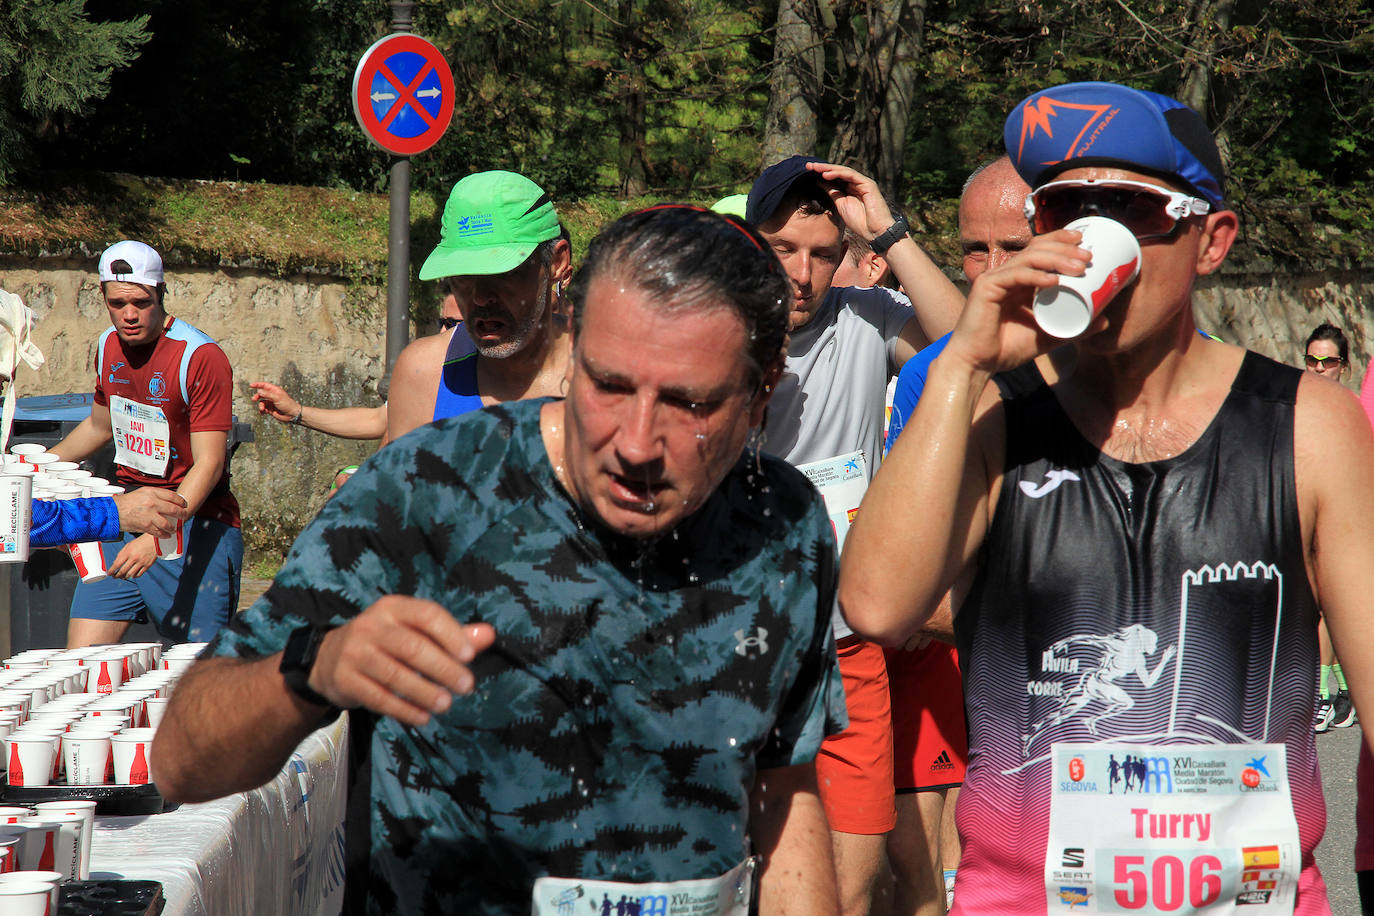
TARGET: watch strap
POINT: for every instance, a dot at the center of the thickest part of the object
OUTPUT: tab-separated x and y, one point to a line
894	234
297	660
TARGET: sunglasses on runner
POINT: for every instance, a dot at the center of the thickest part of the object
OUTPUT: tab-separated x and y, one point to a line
449	324
1324	363
1149	211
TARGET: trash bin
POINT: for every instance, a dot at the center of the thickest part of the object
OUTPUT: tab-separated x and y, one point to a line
39	593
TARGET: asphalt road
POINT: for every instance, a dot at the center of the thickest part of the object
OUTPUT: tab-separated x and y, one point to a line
1337	751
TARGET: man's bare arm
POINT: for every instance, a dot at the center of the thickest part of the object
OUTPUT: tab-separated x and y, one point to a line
232	724
935	298
415	385
344	422
1334	466
87	437
898	563
789	830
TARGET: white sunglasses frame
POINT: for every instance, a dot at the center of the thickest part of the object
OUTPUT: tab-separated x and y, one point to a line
1180	206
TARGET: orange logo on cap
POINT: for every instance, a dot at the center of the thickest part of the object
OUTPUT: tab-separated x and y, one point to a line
1039	114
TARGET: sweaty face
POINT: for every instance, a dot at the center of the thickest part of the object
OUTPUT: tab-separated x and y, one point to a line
503	311
992	221
1168	271
134	311
658	409
810	247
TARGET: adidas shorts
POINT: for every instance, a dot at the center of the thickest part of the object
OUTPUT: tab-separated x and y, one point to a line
929	735
854	768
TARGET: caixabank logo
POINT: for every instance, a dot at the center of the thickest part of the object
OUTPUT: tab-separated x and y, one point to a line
1255	777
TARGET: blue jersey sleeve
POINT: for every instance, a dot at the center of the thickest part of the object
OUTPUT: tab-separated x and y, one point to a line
71	521
910	383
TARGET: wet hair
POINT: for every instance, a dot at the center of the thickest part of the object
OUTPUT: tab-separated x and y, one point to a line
1327	331
688	257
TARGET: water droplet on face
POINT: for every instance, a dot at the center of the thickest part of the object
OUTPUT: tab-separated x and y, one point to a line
733	742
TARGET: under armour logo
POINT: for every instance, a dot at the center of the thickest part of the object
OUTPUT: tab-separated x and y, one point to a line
1053	479
751	642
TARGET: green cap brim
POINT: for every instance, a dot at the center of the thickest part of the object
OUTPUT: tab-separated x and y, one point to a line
467	262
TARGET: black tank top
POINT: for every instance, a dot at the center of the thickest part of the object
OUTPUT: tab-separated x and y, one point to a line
1089	558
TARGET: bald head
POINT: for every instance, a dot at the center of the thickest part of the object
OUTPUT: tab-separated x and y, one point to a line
992	221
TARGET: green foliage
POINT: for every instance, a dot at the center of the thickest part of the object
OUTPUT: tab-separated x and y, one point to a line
569	92
54	61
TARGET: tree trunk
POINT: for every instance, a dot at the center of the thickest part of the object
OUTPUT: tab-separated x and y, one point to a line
1213	18
900	97
631	118
789	123
871	135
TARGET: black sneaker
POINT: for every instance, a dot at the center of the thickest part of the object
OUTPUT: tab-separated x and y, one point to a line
1343	715
1325	712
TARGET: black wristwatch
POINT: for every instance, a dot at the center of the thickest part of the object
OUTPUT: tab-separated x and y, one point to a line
894	234
298	658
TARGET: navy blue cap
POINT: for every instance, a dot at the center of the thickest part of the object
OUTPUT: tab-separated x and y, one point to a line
1084	124
772	186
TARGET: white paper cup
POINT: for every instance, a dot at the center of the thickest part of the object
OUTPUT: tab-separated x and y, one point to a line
89	560
9	846
174	545
16	517
67	848
27	898
85	808
107	674
1067	309
25	449
40	460
30	760
88	758
37	845
53	880
154	707
13	814
131	751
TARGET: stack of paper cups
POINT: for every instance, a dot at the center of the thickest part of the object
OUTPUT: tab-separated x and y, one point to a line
16	517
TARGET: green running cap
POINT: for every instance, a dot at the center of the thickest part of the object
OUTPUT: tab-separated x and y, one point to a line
493	221
732	205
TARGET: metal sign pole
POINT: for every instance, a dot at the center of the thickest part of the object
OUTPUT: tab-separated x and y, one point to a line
398	263
398	244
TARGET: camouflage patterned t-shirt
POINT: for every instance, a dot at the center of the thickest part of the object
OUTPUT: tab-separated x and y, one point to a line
633	689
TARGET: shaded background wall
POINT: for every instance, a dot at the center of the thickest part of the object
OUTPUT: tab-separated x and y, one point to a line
322	339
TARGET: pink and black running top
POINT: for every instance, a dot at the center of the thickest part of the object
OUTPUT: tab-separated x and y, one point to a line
1201	552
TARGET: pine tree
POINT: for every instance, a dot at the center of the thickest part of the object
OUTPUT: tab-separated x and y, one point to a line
54	61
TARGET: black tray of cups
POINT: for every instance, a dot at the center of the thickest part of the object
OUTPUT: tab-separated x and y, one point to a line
110	801
110	898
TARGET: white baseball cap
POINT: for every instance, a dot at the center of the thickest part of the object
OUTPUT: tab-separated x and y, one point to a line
145	264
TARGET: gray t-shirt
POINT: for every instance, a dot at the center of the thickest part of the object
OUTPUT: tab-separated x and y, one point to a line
833	393
831	398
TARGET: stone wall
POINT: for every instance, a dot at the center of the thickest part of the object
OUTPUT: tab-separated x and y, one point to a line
324	341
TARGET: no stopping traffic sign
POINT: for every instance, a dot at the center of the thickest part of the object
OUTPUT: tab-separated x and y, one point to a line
403	94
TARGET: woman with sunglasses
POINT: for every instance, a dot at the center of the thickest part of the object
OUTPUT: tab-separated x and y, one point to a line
1328	352
1328	355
